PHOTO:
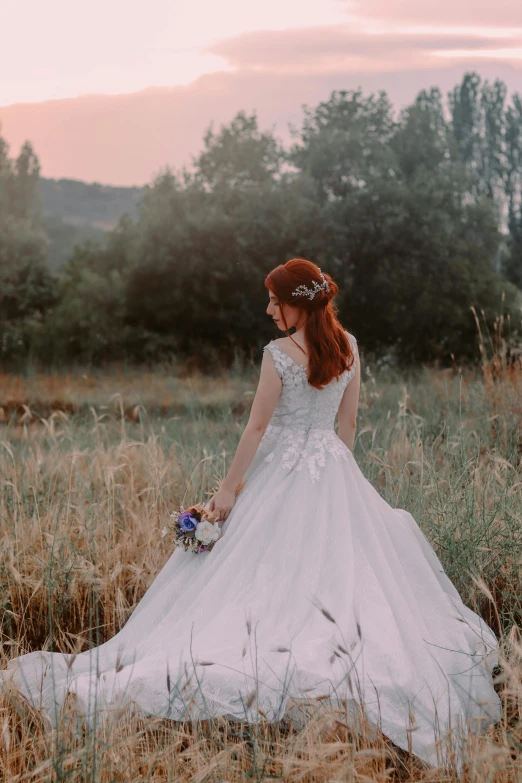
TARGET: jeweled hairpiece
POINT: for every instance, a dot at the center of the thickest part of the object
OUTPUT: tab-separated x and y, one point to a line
302	290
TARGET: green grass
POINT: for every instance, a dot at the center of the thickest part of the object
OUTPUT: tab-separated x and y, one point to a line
90	468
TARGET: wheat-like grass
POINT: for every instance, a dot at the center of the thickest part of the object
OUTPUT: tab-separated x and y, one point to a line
90	468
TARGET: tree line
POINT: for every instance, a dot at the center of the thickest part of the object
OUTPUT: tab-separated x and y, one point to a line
417	216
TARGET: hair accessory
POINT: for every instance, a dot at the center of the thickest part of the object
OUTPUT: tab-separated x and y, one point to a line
302	290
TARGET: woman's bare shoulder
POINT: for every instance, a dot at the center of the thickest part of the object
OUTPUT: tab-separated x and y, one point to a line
282	342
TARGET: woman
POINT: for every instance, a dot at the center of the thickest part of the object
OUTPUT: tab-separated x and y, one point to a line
317	587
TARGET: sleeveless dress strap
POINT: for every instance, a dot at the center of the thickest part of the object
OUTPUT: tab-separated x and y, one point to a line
281	360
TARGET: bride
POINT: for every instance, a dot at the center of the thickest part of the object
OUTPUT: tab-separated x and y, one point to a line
317	587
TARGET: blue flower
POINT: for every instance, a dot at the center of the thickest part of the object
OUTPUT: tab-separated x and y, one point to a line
187	522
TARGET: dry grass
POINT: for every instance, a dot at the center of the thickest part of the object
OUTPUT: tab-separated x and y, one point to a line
90	468
166	392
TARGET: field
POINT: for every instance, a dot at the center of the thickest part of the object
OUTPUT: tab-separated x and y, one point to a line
92	463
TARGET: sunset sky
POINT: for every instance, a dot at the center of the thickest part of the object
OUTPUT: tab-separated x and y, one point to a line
188	50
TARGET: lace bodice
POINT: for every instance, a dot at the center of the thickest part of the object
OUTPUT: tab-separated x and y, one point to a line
303	420
302	405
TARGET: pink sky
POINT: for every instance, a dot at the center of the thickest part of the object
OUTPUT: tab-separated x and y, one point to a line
112	92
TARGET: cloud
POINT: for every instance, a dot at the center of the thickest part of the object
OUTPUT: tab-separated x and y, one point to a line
344	48
125	139
400	46
442	12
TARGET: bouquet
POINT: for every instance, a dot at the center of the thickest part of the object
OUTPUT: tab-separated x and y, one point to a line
195	529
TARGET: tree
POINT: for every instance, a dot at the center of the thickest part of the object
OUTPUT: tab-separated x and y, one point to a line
344	143
402	211
239	155
411	251
25	285
87	324
27	289
488	133
514	167
513	262
423	138
18	182
201	259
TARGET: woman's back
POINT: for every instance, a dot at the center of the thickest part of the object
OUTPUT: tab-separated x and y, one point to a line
300	404
301	430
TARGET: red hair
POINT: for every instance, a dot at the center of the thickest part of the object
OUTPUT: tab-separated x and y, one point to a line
329	349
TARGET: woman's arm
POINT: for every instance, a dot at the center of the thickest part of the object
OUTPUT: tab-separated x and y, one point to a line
265	400
347	415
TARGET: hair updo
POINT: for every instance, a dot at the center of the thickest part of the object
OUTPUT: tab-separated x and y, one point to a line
329	349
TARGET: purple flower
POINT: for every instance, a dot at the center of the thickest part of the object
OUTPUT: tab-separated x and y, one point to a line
187	522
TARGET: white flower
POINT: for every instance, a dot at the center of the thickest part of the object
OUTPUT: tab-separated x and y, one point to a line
206	532
164	532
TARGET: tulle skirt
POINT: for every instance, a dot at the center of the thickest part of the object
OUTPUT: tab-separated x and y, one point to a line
315	589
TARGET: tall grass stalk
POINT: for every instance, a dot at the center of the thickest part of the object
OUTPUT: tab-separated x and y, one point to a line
90	468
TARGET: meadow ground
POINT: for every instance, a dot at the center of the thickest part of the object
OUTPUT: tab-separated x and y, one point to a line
91	465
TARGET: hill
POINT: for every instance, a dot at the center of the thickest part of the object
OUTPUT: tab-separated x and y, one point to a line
74	211
87	204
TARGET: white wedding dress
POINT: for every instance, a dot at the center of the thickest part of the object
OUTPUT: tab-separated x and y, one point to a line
318	587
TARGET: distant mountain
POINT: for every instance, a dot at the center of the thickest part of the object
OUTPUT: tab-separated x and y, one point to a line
83	204
75	211
63	237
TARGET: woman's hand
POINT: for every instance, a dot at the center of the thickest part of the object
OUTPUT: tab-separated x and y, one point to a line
222	503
